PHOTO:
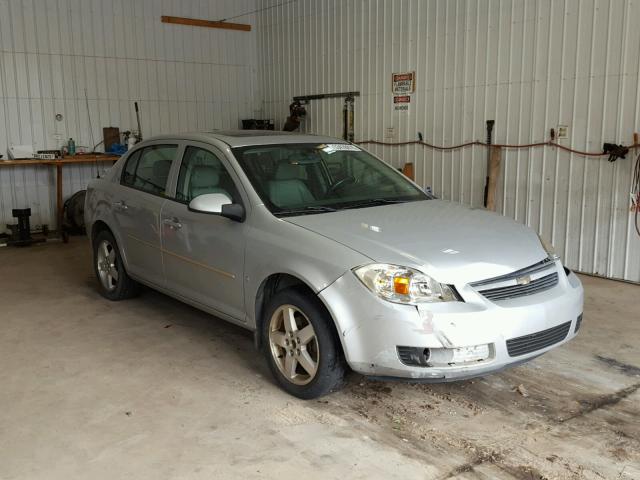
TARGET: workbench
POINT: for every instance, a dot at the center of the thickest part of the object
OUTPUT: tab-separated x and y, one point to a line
59	163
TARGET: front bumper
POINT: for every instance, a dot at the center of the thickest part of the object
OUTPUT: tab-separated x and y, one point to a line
371	329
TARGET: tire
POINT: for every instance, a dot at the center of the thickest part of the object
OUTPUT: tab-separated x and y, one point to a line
74	211
113	281
290	351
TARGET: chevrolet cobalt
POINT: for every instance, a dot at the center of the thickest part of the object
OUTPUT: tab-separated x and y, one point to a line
331	257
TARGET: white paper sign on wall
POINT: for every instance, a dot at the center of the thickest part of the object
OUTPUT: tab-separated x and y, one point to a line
403	83
390	133
401	103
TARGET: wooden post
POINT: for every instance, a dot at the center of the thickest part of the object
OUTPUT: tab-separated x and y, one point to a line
493	173
59	202
407	170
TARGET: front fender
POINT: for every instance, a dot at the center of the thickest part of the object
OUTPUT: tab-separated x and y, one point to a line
275	247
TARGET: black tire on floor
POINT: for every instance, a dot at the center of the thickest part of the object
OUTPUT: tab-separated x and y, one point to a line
331	367
125	287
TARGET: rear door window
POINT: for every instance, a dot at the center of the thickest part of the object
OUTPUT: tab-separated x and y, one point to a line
129	173
148	169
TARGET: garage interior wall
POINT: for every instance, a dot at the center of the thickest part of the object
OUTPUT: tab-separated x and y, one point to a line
528	65
118	51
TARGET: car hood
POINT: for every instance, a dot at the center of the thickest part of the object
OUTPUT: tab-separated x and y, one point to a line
452	243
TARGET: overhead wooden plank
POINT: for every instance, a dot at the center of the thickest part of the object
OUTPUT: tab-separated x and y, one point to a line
196	22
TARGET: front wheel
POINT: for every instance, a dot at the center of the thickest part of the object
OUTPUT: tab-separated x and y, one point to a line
301	345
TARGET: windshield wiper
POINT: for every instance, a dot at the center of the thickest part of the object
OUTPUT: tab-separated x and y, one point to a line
305	211
373	202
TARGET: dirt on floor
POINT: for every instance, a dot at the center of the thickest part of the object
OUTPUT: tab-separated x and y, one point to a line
152	388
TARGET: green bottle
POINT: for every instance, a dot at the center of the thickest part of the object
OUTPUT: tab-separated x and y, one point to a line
71	147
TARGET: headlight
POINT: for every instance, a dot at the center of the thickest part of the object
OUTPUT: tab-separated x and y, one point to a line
549	249
402	284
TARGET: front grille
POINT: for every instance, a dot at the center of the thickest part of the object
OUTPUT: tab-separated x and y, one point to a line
537	341
545	264
515	291
527	281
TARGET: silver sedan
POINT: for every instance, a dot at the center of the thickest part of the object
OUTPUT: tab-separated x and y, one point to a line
333	258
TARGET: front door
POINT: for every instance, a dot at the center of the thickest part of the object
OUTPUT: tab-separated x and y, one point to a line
203	253
137	205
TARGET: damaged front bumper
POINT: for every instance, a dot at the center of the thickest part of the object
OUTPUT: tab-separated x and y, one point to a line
439	342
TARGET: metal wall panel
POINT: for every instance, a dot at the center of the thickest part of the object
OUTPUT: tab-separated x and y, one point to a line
529	65
51	51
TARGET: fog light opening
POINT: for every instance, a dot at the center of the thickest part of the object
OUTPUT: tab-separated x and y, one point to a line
414	356
426	353
444	357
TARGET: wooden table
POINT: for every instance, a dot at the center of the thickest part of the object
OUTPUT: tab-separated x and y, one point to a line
59	163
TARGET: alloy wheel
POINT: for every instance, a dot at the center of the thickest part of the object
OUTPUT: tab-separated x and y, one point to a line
106	264
294	344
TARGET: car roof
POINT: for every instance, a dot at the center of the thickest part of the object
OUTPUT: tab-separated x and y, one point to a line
244	138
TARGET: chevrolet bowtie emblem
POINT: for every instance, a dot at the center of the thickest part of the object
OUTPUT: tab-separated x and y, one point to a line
526	280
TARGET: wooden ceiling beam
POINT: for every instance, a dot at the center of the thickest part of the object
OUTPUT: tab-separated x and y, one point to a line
196	22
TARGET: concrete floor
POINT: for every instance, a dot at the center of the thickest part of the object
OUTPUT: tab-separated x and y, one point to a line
153	389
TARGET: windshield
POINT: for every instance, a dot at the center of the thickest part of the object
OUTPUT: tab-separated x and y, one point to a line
294	179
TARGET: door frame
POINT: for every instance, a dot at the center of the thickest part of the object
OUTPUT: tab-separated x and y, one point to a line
126	190
222	156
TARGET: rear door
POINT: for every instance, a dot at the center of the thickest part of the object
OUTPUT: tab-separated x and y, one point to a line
203	254
137	205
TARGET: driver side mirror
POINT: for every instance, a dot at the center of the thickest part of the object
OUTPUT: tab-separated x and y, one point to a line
217	204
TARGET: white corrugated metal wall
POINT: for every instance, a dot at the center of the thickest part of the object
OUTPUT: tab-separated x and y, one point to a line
185	78
529	65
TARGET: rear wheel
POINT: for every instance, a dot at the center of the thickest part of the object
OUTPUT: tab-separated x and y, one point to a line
115	284
301	345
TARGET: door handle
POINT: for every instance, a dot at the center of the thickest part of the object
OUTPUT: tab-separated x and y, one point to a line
173	223
120	205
